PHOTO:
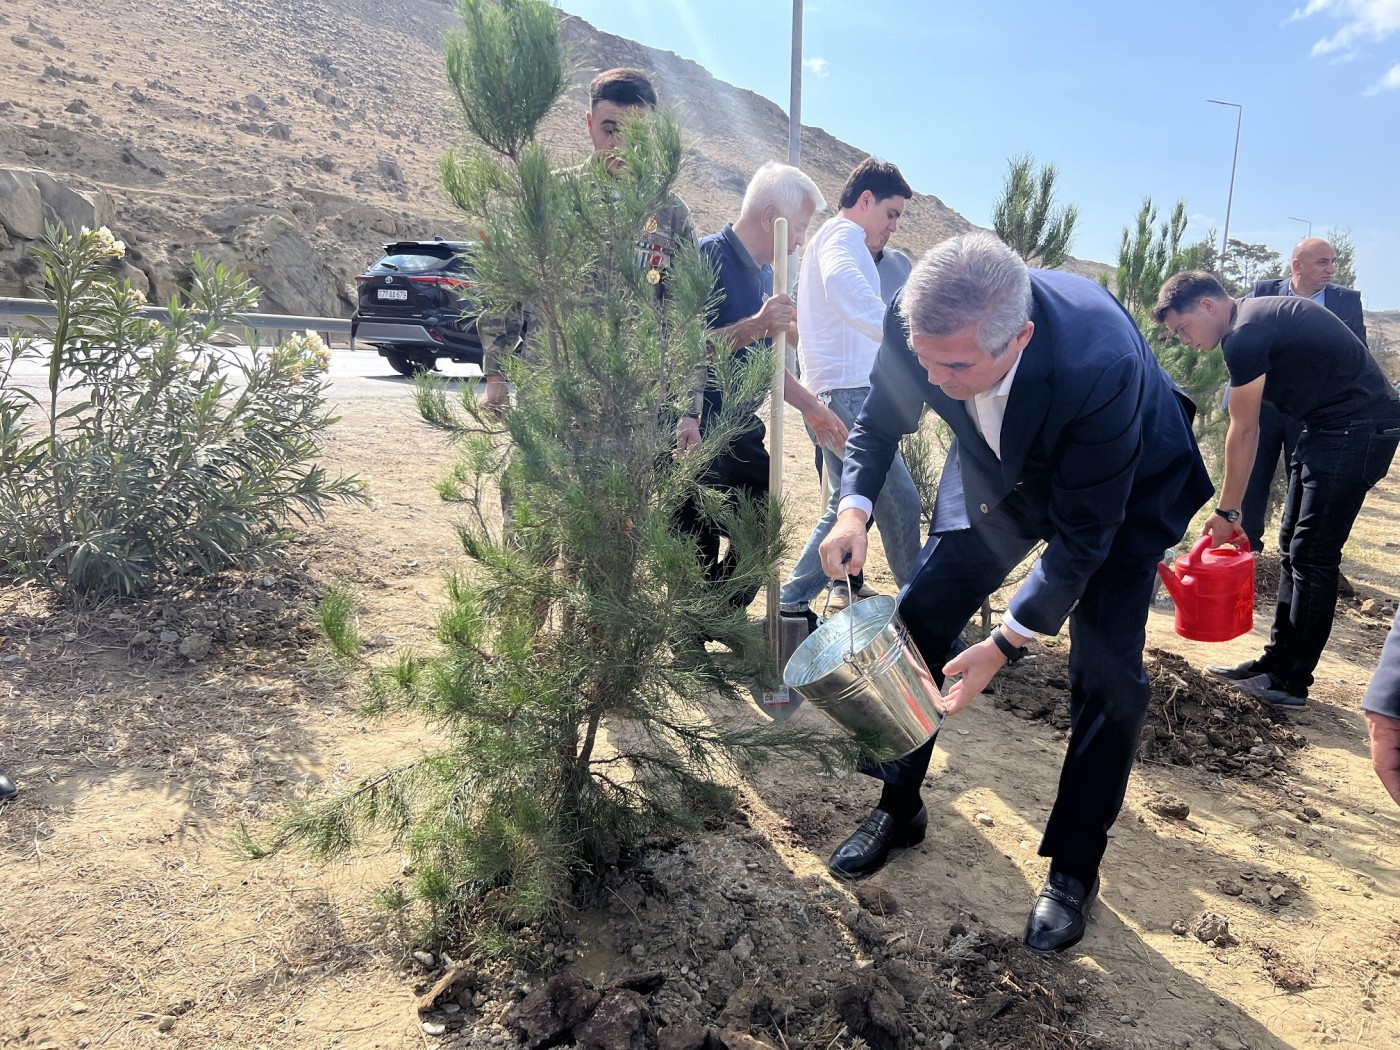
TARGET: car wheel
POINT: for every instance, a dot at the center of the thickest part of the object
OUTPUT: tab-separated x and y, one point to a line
405	365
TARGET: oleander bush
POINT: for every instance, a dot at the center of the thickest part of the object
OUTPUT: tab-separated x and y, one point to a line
145	451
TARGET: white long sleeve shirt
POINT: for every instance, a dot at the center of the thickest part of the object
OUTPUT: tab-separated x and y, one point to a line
840	314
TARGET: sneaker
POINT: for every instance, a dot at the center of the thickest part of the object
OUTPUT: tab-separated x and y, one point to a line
1233	672
839	597
1264	687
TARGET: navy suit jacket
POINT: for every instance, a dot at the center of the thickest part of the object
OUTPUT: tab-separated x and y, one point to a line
1344	302
1098	458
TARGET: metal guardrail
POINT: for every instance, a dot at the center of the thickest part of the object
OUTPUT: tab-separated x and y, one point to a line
15	312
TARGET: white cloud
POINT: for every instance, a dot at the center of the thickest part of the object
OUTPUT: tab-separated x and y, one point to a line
1361	21
816	66
1389	82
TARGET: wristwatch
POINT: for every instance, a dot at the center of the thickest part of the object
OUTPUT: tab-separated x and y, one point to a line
1231	516
1013	653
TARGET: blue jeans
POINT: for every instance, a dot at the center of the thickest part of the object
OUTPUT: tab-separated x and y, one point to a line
1331	472
897	512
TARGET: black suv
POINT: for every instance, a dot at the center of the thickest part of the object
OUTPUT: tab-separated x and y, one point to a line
415	306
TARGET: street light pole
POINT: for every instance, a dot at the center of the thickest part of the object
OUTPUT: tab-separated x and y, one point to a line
795	103
1308	221
1230	200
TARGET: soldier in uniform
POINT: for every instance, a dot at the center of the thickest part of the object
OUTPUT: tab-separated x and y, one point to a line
615	96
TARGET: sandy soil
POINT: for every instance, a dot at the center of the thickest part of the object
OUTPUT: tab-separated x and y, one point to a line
127	919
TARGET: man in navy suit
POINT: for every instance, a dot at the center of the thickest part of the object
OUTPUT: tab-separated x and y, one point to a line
1067	432
1314	262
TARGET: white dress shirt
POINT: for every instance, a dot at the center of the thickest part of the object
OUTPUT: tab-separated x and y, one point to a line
840	314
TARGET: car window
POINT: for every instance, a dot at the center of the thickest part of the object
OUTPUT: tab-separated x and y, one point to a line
413	262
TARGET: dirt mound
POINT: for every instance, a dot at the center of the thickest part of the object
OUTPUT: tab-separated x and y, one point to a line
1192	720
1197	722
716	942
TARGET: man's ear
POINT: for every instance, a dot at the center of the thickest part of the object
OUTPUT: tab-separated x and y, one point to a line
588	120
770	216
1023	337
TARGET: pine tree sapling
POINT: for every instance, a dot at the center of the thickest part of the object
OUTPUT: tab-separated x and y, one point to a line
1025	217
578	703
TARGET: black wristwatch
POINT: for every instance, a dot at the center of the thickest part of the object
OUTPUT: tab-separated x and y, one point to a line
1231	516
1014	653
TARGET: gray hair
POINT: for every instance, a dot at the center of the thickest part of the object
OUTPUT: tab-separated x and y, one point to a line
970	281
784	187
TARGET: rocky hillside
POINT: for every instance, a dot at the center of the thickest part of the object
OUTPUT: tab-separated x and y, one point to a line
290	137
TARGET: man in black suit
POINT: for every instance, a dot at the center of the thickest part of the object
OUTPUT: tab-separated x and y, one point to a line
1314	262
1068	432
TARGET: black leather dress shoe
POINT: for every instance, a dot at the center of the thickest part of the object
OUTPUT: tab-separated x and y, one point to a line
7	787
867	849
1060	914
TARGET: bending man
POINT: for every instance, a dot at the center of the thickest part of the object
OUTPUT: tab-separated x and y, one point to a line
1066	431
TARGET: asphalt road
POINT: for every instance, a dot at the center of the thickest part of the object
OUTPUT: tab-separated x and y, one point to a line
358	375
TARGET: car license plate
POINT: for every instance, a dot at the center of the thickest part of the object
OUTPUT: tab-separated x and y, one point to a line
399	294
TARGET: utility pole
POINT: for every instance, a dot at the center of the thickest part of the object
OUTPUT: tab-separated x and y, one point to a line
1308	221
1230	200
795	100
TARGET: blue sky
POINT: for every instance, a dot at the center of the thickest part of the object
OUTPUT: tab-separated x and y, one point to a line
1113	94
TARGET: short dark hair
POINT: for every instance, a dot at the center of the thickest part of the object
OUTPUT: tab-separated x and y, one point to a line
880	177
1184	290
623	86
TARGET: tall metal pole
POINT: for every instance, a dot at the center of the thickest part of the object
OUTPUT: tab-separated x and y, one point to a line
1230	200
795	98
1308	221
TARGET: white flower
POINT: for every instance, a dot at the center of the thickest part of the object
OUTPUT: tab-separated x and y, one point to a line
105	242
137	297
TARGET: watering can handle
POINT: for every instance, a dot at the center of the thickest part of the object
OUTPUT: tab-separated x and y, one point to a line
1193	556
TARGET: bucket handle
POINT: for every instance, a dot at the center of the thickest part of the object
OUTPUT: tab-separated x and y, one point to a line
850	597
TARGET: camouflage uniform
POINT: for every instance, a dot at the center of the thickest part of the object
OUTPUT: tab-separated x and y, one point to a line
667	229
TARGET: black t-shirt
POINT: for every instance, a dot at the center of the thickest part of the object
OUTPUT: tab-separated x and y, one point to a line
1315	368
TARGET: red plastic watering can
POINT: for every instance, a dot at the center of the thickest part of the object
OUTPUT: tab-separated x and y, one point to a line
1213	590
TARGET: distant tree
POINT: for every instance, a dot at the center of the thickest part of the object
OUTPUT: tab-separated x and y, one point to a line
1148	253
1340	240
1248	263
1025	217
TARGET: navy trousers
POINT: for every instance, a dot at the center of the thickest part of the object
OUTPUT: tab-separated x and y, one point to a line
1108	685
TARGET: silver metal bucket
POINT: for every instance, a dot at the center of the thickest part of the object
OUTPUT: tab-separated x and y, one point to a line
862	671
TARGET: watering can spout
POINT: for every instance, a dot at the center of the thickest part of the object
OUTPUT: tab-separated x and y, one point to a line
1179	593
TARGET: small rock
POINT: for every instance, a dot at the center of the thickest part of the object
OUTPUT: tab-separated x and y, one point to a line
743	949
169	637
425	959
1169	806
1230	889
434	1028
79	1008
986	820
1211	928
165	1022
76	106
947	1041
1179	927
195	647
1277	892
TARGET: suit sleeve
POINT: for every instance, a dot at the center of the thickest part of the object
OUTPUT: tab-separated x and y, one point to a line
891	410
1095	467
1351	314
